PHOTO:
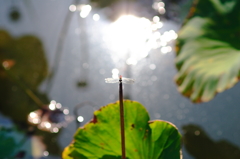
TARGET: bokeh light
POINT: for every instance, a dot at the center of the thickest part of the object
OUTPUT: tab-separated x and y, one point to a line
80	118
96	17
115	73
72	8
50	118
85	10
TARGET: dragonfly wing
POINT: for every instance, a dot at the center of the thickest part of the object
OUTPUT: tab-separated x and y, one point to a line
127	80
111	80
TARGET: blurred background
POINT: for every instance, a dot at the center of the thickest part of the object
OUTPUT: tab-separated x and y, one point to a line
56	54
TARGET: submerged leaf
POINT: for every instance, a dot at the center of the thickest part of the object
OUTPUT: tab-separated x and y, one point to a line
100	138
208	50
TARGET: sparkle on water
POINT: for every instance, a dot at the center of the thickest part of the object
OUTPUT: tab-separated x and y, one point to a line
96	17
132	38
80	118
84	10
115	73
41	117
159	6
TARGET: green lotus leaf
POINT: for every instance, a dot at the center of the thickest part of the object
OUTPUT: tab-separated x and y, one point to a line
100	138
208	50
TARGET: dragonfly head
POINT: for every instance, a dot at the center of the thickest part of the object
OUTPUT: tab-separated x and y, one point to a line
120	78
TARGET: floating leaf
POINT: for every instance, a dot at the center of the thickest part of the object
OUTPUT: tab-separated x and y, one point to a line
100	138
24	58
208	50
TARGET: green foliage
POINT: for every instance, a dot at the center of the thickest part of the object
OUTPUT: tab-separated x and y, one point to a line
100	138
28	66
208	49
7	144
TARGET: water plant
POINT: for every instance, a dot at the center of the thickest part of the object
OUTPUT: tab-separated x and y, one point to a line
104	136
101	137
208	59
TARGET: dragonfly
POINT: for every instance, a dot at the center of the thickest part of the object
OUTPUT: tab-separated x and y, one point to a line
120	79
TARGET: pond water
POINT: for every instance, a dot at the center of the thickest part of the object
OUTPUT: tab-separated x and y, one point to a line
94	49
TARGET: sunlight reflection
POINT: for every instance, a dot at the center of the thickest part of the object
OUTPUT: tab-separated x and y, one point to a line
50	118
85	10
156	19
45	153
128	36
132	38
96	17
159	6
80	118
115	73
169	35
131	61
72	8
152	66
66	111
166	49
55	130
52	106
161	10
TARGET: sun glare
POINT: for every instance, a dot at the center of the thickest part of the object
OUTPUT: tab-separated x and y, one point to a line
128	36
131	38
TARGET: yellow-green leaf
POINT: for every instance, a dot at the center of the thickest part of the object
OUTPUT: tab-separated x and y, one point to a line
100	138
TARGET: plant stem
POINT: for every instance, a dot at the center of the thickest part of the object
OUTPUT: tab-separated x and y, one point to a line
122	118
59	48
